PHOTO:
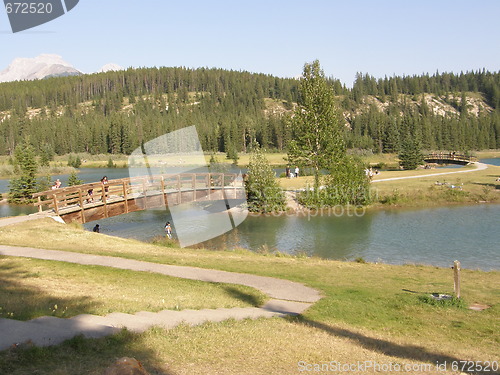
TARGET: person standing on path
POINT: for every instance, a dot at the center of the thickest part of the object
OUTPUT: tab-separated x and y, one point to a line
296	171
168	230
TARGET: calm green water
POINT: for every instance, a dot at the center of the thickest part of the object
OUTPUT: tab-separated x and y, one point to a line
435	236
493	161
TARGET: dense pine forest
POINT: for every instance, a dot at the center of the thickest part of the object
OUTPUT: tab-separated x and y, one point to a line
115	112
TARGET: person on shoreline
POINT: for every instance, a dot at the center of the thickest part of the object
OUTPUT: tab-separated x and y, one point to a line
168	230
96	229
296	171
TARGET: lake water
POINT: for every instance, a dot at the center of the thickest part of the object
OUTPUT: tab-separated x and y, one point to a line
492	161
436	236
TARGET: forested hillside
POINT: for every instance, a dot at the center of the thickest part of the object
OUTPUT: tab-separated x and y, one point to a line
115	111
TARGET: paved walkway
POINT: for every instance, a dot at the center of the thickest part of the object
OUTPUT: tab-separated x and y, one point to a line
4	221
479	167
288	298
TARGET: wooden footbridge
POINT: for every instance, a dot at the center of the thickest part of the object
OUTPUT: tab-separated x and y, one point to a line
449	158
95	201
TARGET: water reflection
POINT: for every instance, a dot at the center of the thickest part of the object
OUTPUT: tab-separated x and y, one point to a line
16	210
435	236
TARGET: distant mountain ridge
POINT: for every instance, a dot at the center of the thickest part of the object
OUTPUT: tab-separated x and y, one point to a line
110	67
44	66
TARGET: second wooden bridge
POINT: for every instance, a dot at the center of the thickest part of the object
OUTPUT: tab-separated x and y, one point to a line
95	201
449	158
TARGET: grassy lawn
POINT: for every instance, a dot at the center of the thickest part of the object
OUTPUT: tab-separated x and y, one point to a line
475	186
369	312
42	288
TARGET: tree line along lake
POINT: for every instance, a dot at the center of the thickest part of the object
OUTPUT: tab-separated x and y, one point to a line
435	236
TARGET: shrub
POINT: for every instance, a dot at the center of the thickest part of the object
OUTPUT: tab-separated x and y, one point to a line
444	302
263	192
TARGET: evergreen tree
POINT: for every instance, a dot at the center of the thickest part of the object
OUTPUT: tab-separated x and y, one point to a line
44	183
316	126
78	162
411	156
73	179
23	187
46	155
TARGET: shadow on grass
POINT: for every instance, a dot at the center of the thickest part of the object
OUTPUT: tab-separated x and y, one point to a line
75	356
20	301
81	356
408	352
491	185
242	296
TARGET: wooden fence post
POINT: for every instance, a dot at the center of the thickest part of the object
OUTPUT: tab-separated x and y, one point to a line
125	197
456	274
82	209
56	206
144	192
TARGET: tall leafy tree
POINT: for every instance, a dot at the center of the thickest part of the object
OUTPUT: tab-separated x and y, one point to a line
316	126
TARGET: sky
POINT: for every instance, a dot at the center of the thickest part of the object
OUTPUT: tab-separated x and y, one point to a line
378	37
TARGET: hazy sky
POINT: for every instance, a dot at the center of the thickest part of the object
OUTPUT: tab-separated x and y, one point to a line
273	36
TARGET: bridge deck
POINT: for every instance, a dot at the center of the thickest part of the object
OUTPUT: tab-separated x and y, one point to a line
449	158
89	202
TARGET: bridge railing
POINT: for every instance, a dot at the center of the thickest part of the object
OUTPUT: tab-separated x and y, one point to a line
452	156
129	188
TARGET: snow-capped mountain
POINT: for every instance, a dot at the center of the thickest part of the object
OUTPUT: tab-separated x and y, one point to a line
110	67
39	67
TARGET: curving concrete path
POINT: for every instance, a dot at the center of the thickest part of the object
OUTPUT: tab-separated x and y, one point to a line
288	298
479	167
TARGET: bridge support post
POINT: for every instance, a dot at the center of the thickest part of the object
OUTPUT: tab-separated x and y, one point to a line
209	185
82	209
56	206
163	195
125	197
104	200
144	193
193	185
